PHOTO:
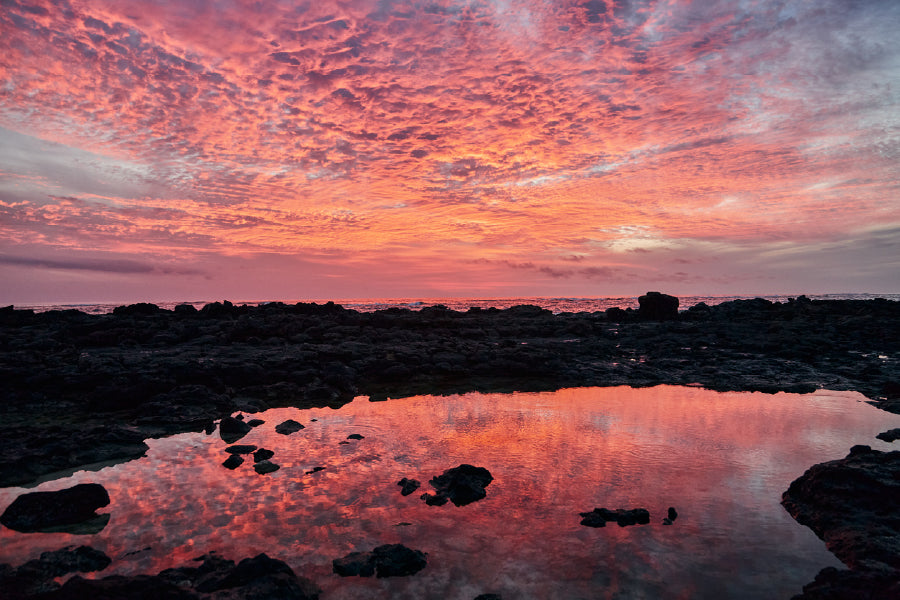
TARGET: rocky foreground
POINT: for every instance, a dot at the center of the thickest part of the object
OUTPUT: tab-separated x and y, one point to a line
81	389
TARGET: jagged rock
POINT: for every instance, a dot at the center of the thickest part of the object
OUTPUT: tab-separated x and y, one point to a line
599	517
38	511
232	429
658	307
315	470
288	427
671	515
461	485
390	560
38	575
255	422
408	486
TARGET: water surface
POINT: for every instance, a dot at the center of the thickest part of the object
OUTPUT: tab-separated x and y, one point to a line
721	459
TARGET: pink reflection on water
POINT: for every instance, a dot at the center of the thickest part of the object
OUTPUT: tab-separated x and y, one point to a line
722	459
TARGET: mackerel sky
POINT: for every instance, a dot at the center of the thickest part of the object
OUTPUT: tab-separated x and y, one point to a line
255	150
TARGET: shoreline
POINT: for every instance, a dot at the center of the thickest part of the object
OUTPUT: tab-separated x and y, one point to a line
82	389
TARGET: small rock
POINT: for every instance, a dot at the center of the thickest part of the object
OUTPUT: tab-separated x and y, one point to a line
263	454
233	462
889	435
41	510
315	470
599	517
408	486
240	449
255	422
488	597
355	436
288	427
264	466
434	499
670	516
462	485
232	429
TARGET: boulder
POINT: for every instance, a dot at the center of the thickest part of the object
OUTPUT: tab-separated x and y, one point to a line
233	462
461	485
390	560
262	454
655	306
890	435
38	511
231	429
240	449
264	466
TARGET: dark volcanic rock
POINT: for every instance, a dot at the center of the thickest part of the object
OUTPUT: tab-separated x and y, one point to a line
37	511
461	485
390	560
240	449
599	517
853	504
231	429
841	584
890	435
38	575
258	578
288	427
233	462
657	306
262	454
671	515
355	436
255	422
408	486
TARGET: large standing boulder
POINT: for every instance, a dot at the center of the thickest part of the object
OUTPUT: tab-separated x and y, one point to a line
231	429
658	307
38	511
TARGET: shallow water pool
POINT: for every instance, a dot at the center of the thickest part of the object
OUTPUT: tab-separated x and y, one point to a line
721	459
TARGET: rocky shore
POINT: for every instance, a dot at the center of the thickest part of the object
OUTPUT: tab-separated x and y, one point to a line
83	389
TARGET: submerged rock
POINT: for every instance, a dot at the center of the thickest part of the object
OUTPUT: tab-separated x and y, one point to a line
599	517
264	466
288	427
461	485
390	560
37	511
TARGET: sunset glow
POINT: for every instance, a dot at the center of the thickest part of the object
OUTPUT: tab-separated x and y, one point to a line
163	150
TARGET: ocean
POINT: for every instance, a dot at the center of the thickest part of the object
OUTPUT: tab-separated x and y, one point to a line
554	304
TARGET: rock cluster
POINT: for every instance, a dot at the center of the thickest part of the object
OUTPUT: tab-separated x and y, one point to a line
460	485
38	575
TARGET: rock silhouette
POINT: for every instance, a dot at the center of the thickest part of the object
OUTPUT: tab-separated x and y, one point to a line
390	560
38	511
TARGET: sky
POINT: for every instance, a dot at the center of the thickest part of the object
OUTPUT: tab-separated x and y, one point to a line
168	150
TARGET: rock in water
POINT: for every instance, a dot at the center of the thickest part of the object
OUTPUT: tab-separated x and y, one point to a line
264	466
233	462
231	429
288	427
390	560
408	486
42	510
462	485
599	517
262	454
658	307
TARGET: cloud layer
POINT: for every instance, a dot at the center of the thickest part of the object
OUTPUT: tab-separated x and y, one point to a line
449	147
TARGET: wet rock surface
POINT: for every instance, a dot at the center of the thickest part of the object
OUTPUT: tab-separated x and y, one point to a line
37	575
41	511
390	560
853	504
257	578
